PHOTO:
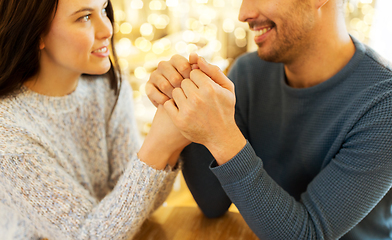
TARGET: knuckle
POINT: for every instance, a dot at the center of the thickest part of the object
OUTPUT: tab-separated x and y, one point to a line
196	101
177	57
164	86
153	76
154	97
209	89
186	114
162	65
176	80
216	68
161	99
184	68
149	89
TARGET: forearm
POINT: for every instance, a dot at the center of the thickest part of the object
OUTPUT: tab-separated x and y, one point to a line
203	184
166	189
130	202
119	215
326	211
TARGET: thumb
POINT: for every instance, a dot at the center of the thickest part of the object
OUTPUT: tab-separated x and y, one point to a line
193	57
215	73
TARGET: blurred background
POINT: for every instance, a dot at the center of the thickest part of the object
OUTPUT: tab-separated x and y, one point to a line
149	31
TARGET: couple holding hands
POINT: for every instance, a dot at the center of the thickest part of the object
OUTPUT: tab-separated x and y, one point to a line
301	144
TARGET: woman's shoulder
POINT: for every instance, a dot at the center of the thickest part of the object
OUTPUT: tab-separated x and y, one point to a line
15	134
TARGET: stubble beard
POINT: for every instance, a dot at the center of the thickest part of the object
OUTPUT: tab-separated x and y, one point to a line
291	39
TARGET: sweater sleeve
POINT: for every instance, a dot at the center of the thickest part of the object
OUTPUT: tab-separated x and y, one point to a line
125	141
340	196
47	195
57	205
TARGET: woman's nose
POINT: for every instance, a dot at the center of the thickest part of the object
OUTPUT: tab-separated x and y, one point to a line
104	28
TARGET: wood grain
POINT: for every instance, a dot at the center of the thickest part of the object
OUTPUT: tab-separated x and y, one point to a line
181	219
189	223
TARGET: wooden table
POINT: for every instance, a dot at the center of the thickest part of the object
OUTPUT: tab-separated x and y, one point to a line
189	223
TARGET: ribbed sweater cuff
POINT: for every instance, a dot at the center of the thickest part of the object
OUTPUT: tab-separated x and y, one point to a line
238	167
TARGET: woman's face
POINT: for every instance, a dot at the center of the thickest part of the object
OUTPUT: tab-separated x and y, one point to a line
78	39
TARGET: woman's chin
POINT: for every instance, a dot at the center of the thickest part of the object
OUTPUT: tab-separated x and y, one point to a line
100	71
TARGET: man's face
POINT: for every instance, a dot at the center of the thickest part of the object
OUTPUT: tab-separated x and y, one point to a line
282	27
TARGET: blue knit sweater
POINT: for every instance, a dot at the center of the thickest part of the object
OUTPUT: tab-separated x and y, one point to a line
318	162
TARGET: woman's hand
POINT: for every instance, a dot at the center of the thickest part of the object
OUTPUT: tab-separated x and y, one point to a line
163	143
168	76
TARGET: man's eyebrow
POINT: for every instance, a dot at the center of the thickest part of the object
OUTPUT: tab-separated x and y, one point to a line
87	9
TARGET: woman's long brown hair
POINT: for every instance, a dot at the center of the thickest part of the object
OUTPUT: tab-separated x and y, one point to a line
22	23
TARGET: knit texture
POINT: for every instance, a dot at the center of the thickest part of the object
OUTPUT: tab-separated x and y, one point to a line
318	162
68	172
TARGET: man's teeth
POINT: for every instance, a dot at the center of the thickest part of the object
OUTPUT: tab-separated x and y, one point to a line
104	49
261	31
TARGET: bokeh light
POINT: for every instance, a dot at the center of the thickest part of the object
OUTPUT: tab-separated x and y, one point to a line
149	31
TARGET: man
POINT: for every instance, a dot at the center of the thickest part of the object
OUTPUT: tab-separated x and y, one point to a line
306	154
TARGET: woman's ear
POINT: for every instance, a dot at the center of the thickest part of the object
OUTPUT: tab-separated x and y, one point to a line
41	44
321	3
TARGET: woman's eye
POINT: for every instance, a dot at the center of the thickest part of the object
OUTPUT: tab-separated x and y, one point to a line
85	18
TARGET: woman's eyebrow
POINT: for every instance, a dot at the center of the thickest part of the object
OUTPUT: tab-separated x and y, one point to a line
83	10
88	9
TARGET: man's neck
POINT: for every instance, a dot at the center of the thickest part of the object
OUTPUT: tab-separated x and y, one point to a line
330	49
311	69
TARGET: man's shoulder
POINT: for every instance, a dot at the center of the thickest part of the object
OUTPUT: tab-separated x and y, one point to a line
379	62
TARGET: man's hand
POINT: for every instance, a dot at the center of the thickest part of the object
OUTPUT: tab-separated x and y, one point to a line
168	76
203	109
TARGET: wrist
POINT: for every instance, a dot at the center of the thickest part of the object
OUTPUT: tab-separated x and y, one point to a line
224	150
153	157
158	154
154	153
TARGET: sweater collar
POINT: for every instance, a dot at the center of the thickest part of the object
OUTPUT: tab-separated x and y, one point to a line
360	51
54	104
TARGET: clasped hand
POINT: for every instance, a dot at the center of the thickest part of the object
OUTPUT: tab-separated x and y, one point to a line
199	99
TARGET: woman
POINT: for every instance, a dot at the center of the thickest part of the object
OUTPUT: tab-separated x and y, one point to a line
71	166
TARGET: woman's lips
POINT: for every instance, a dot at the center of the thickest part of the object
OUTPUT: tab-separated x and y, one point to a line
101	52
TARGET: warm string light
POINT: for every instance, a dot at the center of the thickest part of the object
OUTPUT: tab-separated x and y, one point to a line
150	31
359	18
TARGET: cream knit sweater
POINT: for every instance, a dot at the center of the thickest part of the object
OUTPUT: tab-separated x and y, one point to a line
67	172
